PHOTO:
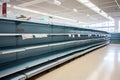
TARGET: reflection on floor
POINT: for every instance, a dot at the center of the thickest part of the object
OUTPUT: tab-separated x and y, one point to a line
101	64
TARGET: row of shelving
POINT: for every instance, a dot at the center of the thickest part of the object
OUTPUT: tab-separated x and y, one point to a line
45	45
32	72
28	48
23	64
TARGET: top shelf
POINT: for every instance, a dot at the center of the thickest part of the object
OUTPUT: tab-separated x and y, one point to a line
32	22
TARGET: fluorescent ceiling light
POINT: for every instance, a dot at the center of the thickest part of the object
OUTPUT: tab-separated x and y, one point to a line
84	1
92	6
57	2
75	10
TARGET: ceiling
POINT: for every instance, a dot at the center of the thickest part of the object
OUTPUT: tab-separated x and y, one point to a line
83	14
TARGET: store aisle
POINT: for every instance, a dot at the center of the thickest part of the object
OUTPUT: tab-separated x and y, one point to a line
101	64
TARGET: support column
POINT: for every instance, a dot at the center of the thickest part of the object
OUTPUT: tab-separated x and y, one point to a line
0	9
4	9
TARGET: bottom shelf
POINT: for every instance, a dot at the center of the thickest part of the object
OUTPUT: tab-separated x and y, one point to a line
27	73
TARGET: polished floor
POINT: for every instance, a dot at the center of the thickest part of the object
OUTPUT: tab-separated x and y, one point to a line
101	64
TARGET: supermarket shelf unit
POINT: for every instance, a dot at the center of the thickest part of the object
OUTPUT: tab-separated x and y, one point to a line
29	48
115	38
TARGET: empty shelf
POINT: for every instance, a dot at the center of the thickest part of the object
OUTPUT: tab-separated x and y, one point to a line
40	68
19	65
6	51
